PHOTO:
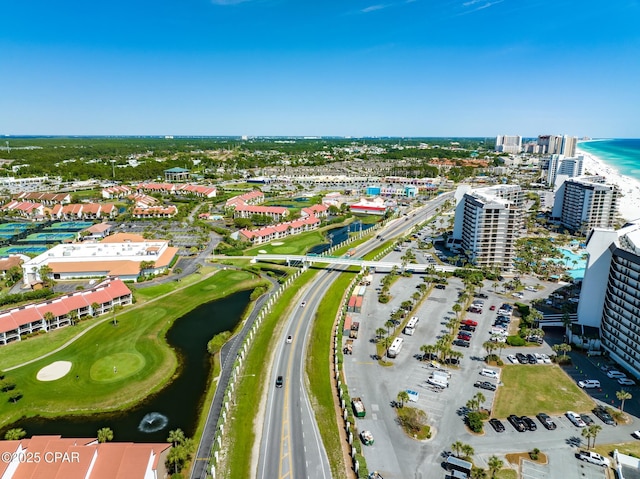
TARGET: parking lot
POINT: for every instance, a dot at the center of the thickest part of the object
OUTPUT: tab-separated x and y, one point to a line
395	455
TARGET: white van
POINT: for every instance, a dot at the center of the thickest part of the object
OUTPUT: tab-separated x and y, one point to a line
490	373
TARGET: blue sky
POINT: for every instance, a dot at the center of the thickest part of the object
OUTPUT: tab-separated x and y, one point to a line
350	67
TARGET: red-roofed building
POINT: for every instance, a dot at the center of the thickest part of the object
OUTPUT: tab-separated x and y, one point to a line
279	231
247	211
198	190
319	211
62	458
84	211
31	318
155	212
26	209
117	191
44	198
254	197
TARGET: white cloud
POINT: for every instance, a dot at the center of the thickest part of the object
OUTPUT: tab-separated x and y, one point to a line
228	2
373	8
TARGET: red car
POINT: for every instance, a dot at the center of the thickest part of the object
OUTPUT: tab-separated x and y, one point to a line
464	337
492	308
469	322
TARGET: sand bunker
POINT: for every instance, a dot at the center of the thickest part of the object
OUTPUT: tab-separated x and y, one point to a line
277	243
54	371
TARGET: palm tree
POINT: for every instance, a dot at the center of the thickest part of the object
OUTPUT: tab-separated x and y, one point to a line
495	465
490	346
457	447
467	450
456	308
176	437
94	308
623	396
403	396
452	324
427	350
380	332
501	346
478	473
586	433
389	324
105	434
14	434
595	430
73	317
495	286
416	296
48	317
480	399
564	348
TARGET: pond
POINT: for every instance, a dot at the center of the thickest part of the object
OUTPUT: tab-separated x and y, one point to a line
338	235
176	406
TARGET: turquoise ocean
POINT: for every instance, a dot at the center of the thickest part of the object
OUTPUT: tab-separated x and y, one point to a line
621	154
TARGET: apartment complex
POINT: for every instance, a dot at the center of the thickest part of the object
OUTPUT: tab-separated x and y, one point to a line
487	224
610	296
508	144
586	202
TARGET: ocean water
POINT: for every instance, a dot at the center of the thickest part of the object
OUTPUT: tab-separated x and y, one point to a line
621	154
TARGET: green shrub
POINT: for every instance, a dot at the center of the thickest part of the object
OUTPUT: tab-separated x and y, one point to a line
474	421
515	341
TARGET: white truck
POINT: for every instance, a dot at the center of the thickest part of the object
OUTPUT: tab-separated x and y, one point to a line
439	379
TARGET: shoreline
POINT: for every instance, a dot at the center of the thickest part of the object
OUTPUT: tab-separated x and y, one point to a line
629	205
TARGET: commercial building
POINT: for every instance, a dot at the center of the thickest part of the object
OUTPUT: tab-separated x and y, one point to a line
487	224
375	206
508	144
584	203
120	255
610	295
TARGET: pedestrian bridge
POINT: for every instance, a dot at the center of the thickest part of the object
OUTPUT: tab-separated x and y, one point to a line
318	260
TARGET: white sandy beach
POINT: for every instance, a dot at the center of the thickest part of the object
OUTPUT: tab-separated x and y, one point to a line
629	206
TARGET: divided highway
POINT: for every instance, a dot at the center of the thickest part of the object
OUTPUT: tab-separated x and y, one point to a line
291	446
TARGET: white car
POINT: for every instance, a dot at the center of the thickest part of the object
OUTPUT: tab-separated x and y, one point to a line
531	288
613	374
512	358
545	358
490	373
593	458
518	295
303	304
575	419
289	339
626	382
636	434
538	357
589	384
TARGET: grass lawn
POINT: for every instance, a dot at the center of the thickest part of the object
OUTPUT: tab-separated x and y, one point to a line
528	390
136	347
628	448
296	244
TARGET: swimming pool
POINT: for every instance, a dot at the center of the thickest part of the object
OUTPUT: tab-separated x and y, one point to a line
574	262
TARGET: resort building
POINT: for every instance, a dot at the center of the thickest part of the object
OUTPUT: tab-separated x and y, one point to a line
255	197
279	231
120	255
84	211
557	145
155	212
559	168
44	198
116	191
319	211
26	209
487	224
610	295
64	458
584	203
31	318
508	144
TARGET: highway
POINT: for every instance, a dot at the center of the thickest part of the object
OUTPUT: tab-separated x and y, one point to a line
291	446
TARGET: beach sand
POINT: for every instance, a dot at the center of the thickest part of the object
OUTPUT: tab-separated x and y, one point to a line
629	206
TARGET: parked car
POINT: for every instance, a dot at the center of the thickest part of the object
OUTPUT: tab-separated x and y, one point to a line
512	358
531	359
517	423
575	419
531	426
490	373
466	327
485	385
440	286
593	458
462	343
482	296
546	421
614	374
464	336
469	322
587	419
492	308
626	382
636	434
538	357
279	381
303	304
522	359
496	424
589	384
605	417
546	358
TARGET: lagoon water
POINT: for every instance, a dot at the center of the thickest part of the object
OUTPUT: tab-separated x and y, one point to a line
177	405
